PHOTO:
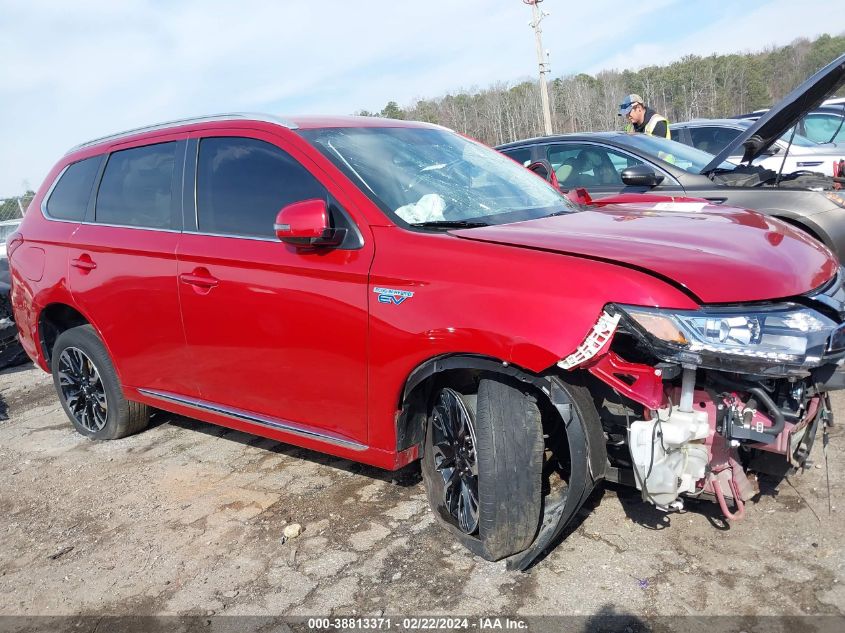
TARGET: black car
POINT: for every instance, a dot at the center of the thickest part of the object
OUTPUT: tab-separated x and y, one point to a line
607	163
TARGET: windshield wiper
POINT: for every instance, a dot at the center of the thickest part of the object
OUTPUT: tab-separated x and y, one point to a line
449	224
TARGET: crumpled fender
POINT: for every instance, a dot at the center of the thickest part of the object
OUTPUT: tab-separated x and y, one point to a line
588	460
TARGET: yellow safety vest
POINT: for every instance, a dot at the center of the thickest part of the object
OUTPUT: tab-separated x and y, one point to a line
649	127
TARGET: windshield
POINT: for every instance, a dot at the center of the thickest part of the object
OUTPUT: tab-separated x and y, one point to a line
683	156
425	175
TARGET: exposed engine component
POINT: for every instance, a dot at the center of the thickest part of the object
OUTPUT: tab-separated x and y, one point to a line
669	454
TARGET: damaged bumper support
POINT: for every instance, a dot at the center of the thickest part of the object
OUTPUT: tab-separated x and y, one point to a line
722	391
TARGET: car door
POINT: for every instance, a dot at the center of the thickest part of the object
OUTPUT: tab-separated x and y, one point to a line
277	334
122	265
598	168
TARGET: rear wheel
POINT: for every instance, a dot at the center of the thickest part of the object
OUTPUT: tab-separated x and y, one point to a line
482	466
89	389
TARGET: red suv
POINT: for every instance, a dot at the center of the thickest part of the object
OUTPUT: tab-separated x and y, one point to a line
388	291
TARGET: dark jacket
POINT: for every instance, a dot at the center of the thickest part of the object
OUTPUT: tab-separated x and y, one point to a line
659	129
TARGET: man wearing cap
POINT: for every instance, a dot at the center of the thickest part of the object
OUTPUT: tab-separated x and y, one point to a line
642	119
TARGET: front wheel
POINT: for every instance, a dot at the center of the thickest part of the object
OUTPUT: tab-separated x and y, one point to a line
89	390
482	466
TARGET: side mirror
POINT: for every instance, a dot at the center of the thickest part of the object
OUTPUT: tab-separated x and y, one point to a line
641	176
543	168
306	224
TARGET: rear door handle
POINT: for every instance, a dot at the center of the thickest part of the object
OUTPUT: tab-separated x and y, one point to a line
716	200
201	280
84	262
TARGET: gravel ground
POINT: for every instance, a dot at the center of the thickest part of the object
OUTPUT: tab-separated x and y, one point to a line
188	518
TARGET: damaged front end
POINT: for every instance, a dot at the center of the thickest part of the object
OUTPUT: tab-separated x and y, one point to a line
700	400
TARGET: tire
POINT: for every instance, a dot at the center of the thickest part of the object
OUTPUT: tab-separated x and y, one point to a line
507	470
89	390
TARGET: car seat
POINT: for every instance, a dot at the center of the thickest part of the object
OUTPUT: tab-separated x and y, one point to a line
566	169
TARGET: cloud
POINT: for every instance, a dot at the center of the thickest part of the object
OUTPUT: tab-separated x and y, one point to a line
78	70
744	28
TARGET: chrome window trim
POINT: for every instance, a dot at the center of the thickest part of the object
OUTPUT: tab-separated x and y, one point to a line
253	418
46	198
232	116
115	226
237	237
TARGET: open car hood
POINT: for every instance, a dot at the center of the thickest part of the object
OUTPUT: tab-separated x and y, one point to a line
773	124
718	254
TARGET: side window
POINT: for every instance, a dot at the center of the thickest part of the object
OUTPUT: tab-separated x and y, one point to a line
70	196
589	165
557	155
522	156
822	127
712	139
137	187
243	183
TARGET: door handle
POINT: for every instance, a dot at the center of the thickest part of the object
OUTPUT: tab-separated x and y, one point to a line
201	281
716	200
84	263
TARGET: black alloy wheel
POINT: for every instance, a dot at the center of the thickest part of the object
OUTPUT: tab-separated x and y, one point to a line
89	388
454	442
82	389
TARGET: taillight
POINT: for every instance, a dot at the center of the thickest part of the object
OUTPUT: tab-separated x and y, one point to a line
12	243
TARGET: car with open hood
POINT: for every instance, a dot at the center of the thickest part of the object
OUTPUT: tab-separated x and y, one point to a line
608	163
390	292
791	153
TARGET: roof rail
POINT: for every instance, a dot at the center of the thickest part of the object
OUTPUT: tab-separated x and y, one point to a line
233	116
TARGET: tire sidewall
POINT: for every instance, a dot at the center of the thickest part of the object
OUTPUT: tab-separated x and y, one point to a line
501	518
84	339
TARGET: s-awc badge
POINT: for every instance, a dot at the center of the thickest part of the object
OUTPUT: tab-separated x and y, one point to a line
390	295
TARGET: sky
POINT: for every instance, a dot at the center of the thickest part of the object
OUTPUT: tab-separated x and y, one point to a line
75	70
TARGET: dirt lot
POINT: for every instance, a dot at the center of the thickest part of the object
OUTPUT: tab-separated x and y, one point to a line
188	518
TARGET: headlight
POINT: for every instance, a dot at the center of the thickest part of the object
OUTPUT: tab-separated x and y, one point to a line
785	338
835	197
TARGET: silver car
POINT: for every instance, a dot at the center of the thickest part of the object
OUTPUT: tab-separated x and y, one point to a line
714	135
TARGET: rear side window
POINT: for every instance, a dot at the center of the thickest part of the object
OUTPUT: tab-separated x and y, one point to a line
712	139
71	194
137	187
243	183
522	155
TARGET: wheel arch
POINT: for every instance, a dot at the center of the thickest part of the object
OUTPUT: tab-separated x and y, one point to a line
55	318
586	440
410	423
800	223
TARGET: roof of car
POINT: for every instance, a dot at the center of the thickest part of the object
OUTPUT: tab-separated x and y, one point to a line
291	123
737	123
574	136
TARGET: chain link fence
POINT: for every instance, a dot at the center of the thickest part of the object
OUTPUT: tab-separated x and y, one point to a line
12	208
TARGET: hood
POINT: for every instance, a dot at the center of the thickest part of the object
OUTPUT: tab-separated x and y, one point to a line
720	255
774	123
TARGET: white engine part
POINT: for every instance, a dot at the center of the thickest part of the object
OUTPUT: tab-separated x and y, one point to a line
669	460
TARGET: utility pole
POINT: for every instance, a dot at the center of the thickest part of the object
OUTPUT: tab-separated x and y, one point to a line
537	17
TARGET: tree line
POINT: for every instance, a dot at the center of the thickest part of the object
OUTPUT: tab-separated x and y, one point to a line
692	87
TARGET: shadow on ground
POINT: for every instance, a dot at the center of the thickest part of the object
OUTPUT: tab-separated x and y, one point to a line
406	477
